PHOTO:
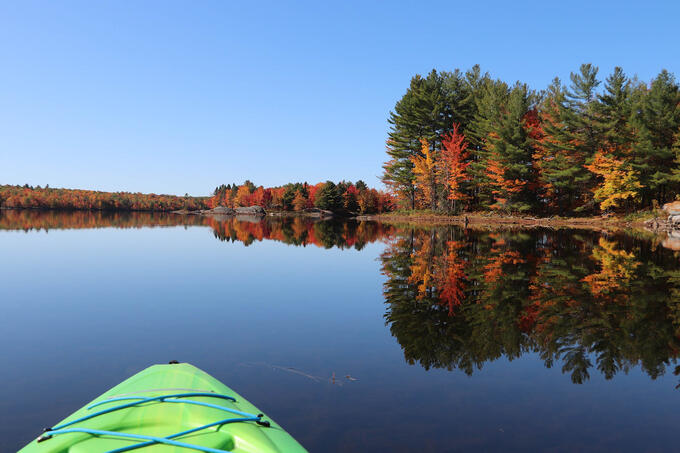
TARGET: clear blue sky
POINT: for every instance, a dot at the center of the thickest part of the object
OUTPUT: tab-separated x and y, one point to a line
175	97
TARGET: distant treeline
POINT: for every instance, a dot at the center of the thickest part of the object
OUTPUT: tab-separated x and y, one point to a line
47	198
464	141
341	197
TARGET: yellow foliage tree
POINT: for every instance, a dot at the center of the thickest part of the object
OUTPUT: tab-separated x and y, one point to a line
425	170
421	269
619	181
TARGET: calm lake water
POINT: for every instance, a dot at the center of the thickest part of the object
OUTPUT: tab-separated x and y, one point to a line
353	336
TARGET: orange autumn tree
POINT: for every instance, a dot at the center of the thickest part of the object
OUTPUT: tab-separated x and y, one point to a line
425	171
242	196
503	187
299	202
455	161
451	280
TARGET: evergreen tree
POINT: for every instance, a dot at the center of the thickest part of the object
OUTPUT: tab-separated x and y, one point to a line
328	197
291	192
657	119
580	117
614	111
459	101
489	95
421	114
510	151
350	199
562	153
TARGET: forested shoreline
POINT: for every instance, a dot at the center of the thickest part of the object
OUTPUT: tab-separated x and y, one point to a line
463	141
341	198
30	197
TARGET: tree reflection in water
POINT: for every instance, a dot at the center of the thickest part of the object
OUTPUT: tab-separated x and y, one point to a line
300	231
460	298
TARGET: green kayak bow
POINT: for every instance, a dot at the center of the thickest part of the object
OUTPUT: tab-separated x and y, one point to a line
172	408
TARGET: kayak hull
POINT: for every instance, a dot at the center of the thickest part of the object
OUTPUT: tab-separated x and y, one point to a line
149	417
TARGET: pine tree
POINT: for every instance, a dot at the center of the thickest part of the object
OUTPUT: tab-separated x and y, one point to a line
676	153
510	151
613	115
657	119
580	117
350	199
489	97
563	150
421	114
328	197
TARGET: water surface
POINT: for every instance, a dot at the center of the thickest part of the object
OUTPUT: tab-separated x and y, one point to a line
355	336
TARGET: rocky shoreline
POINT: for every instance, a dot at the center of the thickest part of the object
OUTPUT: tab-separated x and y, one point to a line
668	228
257	212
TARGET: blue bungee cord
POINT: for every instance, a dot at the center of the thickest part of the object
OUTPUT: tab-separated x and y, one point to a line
151	440
184	433
142	401
170	399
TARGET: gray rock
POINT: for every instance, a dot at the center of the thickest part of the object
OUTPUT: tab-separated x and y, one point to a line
318	213
222	210
672	209
251	210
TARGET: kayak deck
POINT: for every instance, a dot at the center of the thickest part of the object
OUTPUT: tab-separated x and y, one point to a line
167	408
